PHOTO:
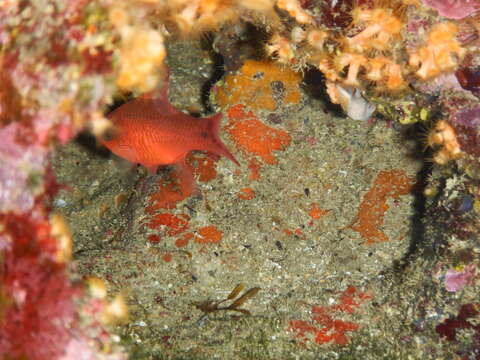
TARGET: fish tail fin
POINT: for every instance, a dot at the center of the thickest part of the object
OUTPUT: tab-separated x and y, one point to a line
217	146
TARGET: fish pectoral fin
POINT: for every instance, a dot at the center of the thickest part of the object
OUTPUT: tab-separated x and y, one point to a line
186	176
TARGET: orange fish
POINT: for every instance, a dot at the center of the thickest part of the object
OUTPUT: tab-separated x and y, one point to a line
150	131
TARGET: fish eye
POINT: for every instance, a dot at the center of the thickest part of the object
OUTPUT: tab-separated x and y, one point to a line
109	134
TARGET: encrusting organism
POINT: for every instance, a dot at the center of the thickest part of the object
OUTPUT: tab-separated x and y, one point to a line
441	53
443	136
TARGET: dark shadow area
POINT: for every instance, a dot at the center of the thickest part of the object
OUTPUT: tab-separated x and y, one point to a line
218	72
229	48
90	143
315	88
418	229
118	101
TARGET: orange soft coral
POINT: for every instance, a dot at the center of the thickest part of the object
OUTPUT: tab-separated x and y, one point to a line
382	69
142	50
282	48
142	54
441	53
380	27
196	16
295	10
443	136
354	62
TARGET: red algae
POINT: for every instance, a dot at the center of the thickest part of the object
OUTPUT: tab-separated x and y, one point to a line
97	60
324	327
371	212
253	137
208	235
464	320
37	310
154	238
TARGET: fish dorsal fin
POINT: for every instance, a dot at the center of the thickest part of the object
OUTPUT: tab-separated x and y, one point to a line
160	96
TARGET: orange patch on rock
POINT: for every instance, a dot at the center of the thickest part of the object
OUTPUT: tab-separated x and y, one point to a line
316	212
253	137
371	212
184	240
176	189
202	166
254	166
324	327
246	194
260	85
172	224
208	235
167	257
154	239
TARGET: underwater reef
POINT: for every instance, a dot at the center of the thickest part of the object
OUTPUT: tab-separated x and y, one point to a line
345	226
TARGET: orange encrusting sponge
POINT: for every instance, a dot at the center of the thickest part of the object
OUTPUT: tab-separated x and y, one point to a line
316	212
246	194
371	212
254	86
208	234
253	137
173	224
170	193
202	166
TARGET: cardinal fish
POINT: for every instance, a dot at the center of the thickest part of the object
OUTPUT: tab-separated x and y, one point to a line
150	131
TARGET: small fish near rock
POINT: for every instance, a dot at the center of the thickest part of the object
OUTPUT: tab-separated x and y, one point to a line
351	100
150	131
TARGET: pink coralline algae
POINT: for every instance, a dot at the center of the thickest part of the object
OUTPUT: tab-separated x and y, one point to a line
36	297
37	323
454	9
456	280
43	314
20	166
466	123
